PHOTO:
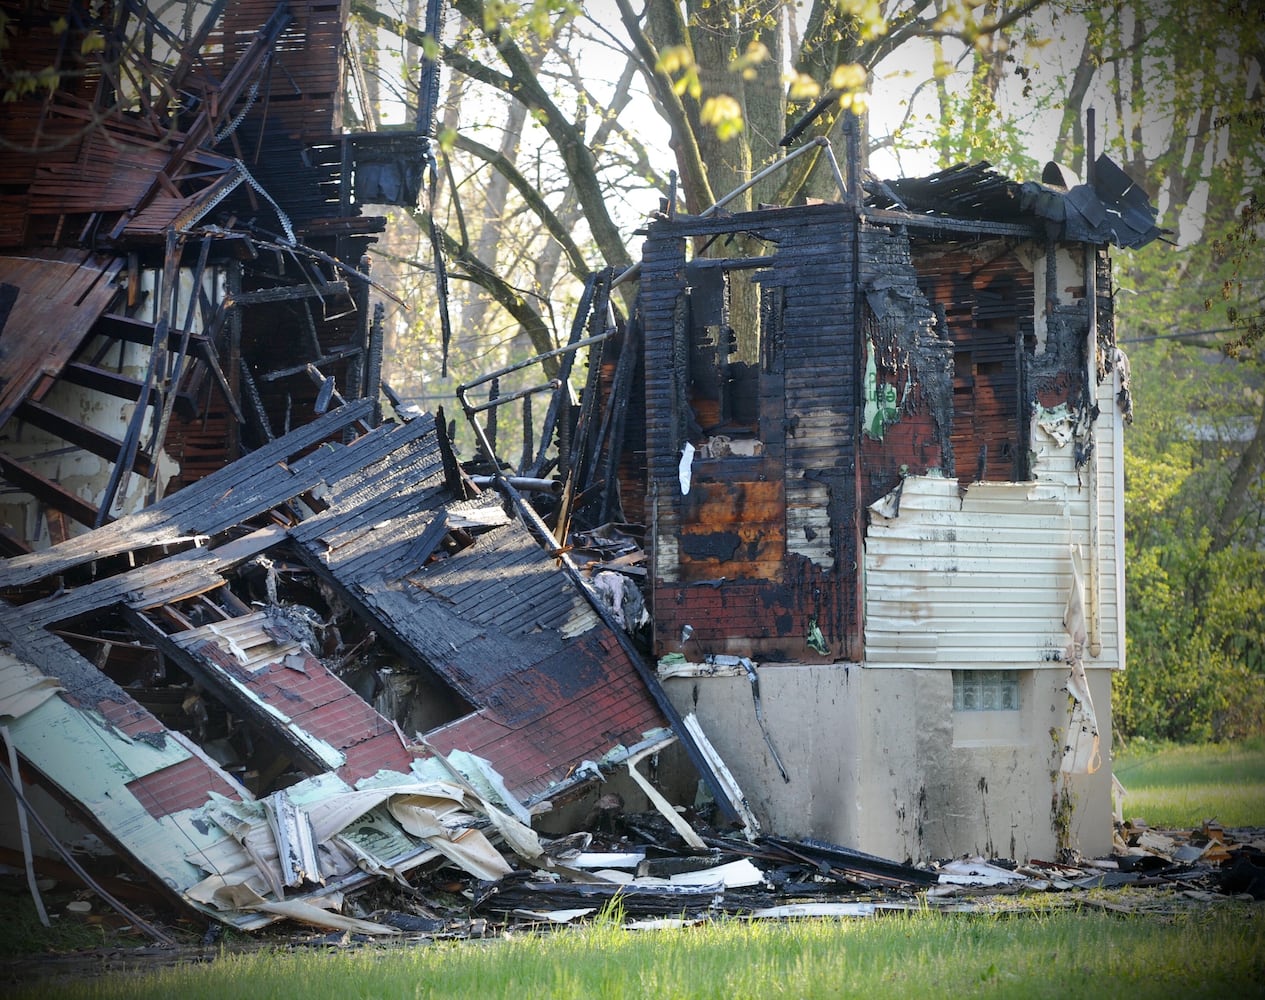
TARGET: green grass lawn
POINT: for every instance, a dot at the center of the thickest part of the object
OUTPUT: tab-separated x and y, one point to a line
1181	786
1216	952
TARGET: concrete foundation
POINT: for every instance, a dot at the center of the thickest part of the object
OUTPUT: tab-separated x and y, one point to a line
879	761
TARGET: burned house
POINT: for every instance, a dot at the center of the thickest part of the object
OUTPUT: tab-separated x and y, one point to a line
266	638
881	467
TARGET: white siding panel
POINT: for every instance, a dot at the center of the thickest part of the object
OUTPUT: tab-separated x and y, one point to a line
986	574
980	577
1110	431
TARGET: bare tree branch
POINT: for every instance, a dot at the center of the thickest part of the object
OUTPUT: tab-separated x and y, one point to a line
579	265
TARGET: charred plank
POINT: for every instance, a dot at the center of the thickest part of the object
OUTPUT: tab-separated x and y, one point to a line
97	442
47	491
287	293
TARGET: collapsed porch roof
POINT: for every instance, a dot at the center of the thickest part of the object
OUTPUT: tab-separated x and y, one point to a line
549	686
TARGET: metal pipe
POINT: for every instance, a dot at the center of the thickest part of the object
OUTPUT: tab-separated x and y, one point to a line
597	339
553	385
819	142
1093	583
528	484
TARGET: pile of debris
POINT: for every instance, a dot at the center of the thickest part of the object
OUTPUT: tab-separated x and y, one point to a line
488	872
648	876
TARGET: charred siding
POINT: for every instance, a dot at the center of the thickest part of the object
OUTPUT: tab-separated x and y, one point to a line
987	299
912	355
764	545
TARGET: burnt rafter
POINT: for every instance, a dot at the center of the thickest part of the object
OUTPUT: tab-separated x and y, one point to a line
213	505
286	293
103	380
102	445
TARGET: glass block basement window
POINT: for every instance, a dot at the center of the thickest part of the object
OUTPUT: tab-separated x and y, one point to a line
985	691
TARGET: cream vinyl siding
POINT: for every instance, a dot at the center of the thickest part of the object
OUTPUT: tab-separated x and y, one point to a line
980	577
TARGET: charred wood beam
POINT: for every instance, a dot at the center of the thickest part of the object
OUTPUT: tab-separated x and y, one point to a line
181	576
136	331
213	363
359	381
529	449
945	224
102	380
832	858
490	425
340	355
373	362
621	393
286	293
174	368
328	392
564	437
356	225
97	442
428	86
454	478
564	373
47	491
233	354
579	469
251	392
601	314
425	544
155	370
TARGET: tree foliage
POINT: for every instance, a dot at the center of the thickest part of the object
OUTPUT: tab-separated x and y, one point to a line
1184	81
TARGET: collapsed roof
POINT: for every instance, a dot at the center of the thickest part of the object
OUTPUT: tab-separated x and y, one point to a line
231	582
512	663
1110	208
